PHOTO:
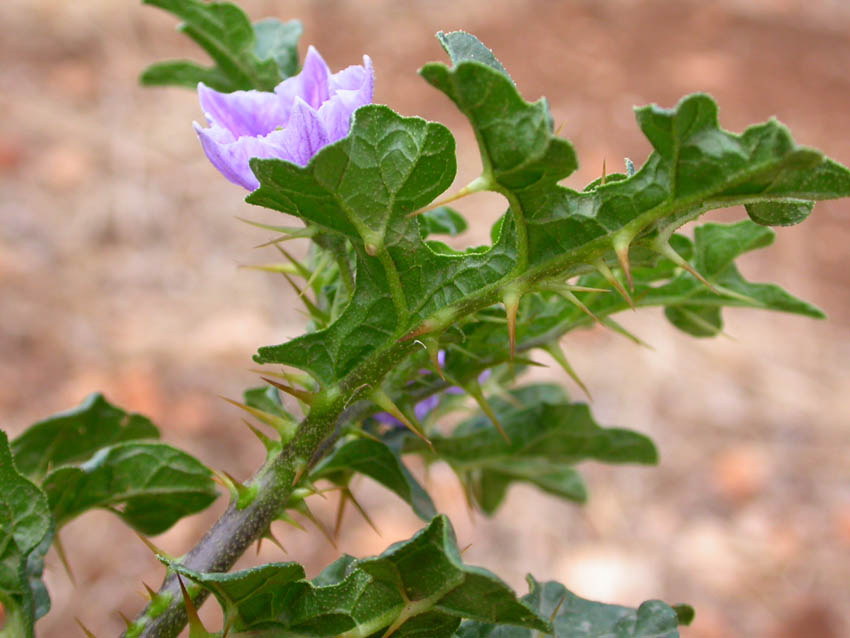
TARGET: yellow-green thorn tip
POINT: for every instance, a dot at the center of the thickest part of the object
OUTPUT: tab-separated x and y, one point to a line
511	301
566	292
619	329
151	593
603	269
473	388
604	174
275	268
340	511
241	494
154	549
362	511
304	510
620	244
477	185
270	445
285	427
269	535
85	629
127	621
286	518
385	403
666	250
303	271
302	395
313	309
557	608
196	627
557	353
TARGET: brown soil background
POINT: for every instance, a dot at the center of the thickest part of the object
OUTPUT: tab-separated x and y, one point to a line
119	259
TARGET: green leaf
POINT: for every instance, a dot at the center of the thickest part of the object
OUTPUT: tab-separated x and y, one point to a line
419	586
25	523
379	462
75	435
779	213
278	41
442	221
246	56
462	46
547	433
575	617
697	321
149	485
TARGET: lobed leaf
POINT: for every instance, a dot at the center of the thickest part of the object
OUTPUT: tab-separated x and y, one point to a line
547	434
246	56
149	485
25	523
419	586
575	617
377	461
76	434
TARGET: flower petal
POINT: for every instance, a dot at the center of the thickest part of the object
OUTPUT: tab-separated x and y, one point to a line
243	112
303	137
352	88
311	84
232	157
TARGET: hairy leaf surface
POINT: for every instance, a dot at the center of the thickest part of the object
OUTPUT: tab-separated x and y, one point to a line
25	523
575	617
149	485
377	461
420	586
246	56
76	434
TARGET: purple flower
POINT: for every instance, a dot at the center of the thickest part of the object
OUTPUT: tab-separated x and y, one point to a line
304	114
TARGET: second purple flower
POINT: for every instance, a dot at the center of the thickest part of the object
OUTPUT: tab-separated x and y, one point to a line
304	114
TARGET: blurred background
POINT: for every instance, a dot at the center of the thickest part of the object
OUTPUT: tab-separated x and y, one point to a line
119	272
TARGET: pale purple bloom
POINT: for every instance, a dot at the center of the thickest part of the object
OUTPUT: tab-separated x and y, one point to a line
424	407
304	114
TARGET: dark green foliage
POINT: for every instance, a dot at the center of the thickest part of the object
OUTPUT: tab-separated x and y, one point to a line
576	617
246	56
419	586
25	524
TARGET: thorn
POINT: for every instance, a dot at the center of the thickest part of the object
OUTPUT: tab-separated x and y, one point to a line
63	558
304	510
340	510
511	301
354	393
275	268
299	473
297	234
604	174
557	607
554	349
386	404
269	535
621	248
566	292
473	388
302	395
127	621
288	230
363	512
318	270
478	184
463	551
313	309
151	593
666	250
156	550
266	441
286	518
85	629
285	427
616	327
237	489
196	627
292	376
603	269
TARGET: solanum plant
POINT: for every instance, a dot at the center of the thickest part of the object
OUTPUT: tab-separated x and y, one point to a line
404	330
